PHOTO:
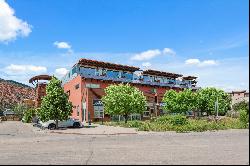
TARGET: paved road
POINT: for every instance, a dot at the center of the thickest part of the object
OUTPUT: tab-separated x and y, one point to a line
21	144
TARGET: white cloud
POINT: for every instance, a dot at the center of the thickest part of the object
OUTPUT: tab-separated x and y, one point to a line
146	55
24	69
61	72
208	63
10	26
197	62
62	45
146	64
230	74
168	51
192	62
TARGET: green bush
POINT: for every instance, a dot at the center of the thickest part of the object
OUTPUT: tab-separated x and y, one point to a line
172	119
178	120
243	105
244	117
180	123
28	115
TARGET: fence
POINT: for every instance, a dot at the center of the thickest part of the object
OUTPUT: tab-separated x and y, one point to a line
121	118
10	118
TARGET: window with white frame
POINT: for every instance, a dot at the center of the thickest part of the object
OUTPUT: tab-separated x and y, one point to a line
146	113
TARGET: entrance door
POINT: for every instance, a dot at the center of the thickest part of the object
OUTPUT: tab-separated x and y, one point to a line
84	112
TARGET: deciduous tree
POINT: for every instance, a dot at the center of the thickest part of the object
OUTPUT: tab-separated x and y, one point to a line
207	98
123	99
55	105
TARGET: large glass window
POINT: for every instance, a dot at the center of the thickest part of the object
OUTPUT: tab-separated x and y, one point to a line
127	75
88	71
159	79
98	111
146	78
74	70
113	74
98	108
152	79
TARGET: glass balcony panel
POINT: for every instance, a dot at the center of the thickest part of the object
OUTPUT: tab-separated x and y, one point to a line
113	74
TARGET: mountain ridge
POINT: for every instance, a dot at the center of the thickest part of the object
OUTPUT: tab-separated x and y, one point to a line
13	92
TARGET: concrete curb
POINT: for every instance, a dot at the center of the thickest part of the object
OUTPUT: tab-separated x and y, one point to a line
58	132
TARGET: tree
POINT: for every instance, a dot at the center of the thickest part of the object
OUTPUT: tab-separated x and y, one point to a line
187	100
208	96
123	99
180	102
243	105
171	102
20	109
29	115
55	105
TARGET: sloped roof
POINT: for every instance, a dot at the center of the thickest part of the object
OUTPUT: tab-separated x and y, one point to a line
161	73
107	65
40	77
189	77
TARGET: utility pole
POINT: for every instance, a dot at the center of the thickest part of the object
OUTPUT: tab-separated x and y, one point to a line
216	108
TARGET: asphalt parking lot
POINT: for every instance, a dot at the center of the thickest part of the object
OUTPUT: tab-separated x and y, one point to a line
23	144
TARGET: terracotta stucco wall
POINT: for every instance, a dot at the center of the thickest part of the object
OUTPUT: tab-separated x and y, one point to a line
75	95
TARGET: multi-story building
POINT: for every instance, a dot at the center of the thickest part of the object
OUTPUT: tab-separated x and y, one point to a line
40	83
238	96
87	79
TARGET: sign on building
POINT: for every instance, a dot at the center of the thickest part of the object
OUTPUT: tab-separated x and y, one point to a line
92	85
97	102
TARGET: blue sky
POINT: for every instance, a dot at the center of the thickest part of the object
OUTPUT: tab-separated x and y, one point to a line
205	38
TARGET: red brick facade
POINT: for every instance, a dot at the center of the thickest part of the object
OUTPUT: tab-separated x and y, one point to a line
80	94
40	92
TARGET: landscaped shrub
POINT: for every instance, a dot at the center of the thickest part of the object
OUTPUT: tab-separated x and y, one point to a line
180	123
178	120
172	119
28	115
244	117
233	114
135	124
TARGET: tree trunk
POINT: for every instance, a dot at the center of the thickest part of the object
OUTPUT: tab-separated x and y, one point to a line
56	124
126	118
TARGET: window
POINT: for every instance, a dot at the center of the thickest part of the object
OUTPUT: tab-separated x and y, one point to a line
98	108
146	78
156	99
146	113
98	72
74	70
68	92
152	78
77	110
77	86
93	85
127	75
88	71
124	74
113	74
98	111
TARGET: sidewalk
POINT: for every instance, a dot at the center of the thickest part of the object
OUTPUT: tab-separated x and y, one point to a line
96	129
